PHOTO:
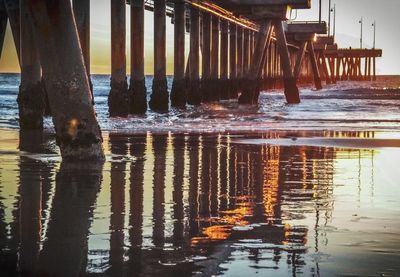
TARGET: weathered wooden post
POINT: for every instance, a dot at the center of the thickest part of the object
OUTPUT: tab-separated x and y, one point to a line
239	58
214	91
31	97
206	89
291	90
246	51
77	131
314	66
232	61
331	63
325	67
194	97
178	92
223	86
369	68
3	24
299	61
159	100
365	68
252	46
82	21
338	64
12	8
118	100
374	68
251	86
137	86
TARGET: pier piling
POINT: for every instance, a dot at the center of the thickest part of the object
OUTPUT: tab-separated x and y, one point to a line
137	87
118	99
299	61
251	86
239	58
77	131
223	84
193	94
31	97
232	62
291	90
314	66
214	90
206	89
178	92
159	100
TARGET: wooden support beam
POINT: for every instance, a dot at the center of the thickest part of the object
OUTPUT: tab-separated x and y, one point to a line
325	69
118	99
239	45
31	98
82	20
232	61
291	90
251	88
332	69
137	89
178	92
246	51
214	91
194	97
365	68
252	46
224	85
359	71
299	61
77	131
338	63
206	89
159	100
374	69
314	66
12	7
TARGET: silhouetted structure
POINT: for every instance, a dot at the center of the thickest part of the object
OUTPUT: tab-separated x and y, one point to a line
244	47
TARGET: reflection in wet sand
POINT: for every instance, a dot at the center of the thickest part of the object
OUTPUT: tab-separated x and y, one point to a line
205	205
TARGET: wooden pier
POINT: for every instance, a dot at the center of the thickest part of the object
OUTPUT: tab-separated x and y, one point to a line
237	49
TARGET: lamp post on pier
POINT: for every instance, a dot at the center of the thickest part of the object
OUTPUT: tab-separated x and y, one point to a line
329	19
361	36
374	25
320	11
334	20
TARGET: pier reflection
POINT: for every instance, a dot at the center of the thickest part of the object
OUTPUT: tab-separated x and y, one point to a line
210	200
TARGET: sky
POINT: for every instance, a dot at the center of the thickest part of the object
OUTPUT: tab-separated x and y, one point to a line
348	14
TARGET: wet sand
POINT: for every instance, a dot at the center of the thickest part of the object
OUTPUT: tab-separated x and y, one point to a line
351	143
282	203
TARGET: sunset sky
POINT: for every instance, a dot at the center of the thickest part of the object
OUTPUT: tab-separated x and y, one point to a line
349	12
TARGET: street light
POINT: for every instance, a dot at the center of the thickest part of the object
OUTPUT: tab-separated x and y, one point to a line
329	19
374	25
334	20
361	36
320	11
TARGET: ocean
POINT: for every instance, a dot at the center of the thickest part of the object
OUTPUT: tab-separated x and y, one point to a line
346	105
